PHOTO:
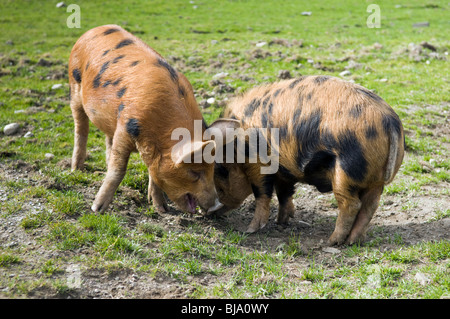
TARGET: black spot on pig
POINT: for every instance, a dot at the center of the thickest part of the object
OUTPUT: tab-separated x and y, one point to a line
118	58
133	127
371	132
105	52
307	134
295	82
121	92
116	82
390	123
264	120
76	75
328	141
369	94
251	107
124	43
134	63
173	73
98	77
265	101
297	115
120	109
270	108
321	79
351	156
283	131
317	168
181	91
356	111
110	30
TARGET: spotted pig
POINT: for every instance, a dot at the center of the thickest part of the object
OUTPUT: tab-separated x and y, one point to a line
333	134
132	94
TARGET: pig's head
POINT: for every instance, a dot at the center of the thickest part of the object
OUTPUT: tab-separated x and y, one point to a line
232	185
230	179
187	181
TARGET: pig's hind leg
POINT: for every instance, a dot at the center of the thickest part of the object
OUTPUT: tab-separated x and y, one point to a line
349	205
370	199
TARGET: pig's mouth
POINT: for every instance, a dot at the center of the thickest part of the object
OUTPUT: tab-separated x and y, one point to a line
191	202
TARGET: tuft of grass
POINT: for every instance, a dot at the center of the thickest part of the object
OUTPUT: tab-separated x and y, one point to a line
68	203
7	260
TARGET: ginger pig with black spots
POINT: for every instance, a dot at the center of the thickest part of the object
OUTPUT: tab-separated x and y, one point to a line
133	95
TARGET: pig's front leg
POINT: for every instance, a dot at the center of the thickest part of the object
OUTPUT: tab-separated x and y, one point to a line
285	190
117	165
262	212
156	195
263	195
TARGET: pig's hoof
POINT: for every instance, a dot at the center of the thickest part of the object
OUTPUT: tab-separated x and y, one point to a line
355	240
99	207
335	240
254	227
160	209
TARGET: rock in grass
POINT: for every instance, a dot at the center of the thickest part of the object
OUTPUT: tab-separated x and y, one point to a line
60	4
421	25
56	86
28	135
261	44
345	73
220	75
49	156
331	250
44	62
11	129
284	74
422	279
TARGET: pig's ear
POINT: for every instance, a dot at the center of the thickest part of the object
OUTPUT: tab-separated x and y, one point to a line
191	152
223	124
219	129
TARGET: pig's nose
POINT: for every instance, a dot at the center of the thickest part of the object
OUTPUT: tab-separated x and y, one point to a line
217	205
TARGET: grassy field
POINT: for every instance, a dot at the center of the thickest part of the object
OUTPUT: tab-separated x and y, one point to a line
48	235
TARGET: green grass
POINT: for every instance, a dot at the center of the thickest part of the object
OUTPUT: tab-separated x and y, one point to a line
201	42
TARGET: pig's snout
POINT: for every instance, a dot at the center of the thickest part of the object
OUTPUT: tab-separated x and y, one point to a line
217	205
212	203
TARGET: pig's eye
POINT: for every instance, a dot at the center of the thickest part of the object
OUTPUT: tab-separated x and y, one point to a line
195	175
